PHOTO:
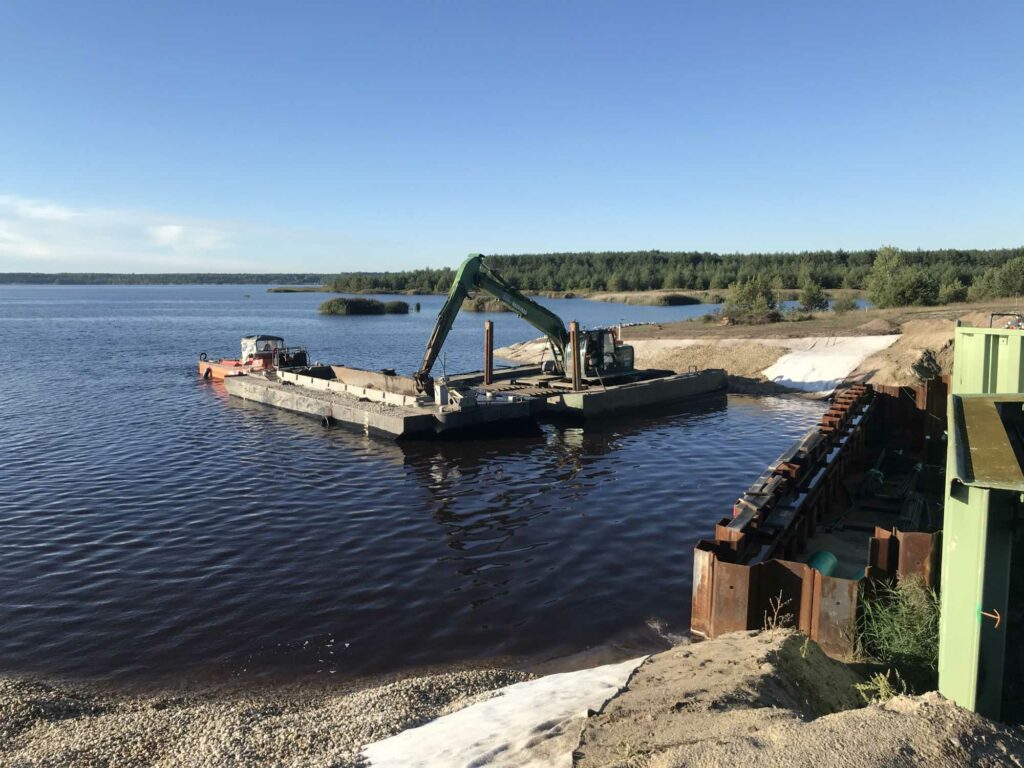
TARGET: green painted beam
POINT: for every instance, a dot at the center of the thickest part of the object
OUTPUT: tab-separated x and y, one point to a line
978	524
987	361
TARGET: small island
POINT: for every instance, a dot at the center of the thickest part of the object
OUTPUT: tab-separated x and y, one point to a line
357	306
483	304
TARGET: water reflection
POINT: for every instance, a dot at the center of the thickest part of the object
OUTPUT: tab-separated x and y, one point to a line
152	526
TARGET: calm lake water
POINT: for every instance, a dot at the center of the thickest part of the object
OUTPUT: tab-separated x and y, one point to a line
152	526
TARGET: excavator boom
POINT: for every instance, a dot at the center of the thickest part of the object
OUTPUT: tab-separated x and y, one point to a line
472	276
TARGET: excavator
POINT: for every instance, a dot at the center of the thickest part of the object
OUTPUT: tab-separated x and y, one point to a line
603	354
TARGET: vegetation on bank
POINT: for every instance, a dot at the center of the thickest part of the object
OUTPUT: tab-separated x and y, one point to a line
752	301
356	306
898	628
664	270
893	281
483	304
673	300
656	298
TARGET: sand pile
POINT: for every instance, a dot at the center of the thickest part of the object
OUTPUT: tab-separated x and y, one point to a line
877	327
769	700
926	731
755	365
894	366
524	352
749	699
743	359
44	725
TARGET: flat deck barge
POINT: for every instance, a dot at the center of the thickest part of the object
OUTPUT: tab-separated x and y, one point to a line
554	396
382	403
318	392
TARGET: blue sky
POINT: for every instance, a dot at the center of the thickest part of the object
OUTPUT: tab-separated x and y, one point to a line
221	136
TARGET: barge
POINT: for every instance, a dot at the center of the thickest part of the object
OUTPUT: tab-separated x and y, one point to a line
590	374
378	403
386	404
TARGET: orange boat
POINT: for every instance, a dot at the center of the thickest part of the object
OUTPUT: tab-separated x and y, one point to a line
259	353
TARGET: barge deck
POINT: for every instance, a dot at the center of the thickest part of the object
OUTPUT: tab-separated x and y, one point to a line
383	403
372	409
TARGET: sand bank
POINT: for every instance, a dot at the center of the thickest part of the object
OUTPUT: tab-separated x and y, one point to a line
815	364
771	700
767	699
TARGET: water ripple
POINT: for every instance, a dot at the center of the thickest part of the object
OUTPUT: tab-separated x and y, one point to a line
150	525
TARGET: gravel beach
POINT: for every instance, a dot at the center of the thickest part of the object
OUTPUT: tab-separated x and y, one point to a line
62	725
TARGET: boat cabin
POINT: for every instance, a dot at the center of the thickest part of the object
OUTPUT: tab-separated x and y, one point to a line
259	353
260	346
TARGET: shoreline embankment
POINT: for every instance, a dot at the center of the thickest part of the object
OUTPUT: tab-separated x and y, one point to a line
878	351
770	698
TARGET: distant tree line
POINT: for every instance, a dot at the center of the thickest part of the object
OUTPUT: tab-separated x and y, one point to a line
896	281
890	276
176	278
647	270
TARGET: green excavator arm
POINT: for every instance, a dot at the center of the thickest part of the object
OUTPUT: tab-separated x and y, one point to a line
472	276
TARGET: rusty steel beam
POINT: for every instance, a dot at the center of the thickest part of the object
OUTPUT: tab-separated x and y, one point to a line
574	346
834	615
488	352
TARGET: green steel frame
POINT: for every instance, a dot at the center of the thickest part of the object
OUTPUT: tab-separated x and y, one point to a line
979	520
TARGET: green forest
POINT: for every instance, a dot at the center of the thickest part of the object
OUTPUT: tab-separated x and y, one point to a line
890	277
646	270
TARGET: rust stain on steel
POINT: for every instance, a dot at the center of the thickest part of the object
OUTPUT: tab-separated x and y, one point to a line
898	554
730	598
783	589
882	553
918	555
834	614
703	574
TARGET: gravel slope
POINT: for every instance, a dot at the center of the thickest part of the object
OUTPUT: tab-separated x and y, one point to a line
58	725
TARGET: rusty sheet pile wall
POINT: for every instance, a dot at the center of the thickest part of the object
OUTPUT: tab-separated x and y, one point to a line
748	575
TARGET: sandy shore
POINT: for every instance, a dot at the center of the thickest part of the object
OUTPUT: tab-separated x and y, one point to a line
773	701
767	365
767	699
884	347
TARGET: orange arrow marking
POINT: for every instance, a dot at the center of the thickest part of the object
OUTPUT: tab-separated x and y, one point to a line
994	615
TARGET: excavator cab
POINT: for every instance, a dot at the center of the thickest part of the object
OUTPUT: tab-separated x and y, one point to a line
604	355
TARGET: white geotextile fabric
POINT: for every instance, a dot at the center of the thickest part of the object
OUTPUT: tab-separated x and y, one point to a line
535	724
823	363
